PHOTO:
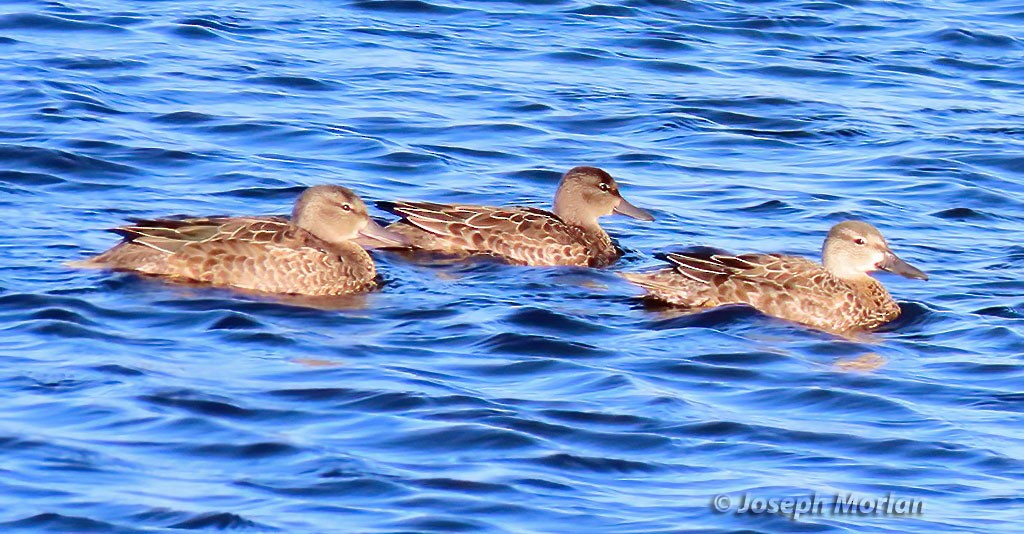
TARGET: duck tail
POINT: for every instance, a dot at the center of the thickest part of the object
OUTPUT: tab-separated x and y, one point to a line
87	263
650	281
389	206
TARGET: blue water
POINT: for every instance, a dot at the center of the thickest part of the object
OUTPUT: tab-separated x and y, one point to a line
478	397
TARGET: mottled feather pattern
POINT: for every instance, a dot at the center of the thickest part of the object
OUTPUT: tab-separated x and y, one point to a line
783	286
258	253
526	236
274	269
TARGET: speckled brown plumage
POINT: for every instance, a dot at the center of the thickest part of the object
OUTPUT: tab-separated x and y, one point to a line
840	299
522	236
570	235
312	254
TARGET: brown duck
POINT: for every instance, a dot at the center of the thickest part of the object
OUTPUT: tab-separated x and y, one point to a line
838	295
567	235
314	253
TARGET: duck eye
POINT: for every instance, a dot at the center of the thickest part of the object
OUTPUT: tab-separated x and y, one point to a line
605	187
346	207
860	241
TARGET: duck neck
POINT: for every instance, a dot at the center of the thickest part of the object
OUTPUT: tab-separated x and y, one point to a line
590	228
571	214
595	237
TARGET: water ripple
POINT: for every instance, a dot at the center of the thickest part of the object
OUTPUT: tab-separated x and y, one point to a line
483	397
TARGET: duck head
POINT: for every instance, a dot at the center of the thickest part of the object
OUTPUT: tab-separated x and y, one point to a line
336	214
588	193
854	248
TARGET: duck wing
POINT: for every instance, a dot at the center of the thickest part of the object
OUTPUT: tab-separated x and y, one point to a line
790	287
170	235
523	235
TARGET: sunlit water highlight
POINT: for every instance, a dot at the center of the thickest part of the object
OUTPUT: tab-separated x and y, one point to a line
479	397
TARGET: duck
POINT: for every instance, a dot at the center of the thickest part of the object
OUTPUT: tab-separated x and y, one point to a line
313	253
838	295
567	235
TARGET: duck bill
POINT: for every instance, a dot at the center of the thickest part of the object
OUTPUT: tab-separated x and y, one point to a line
893	264
375	235
629	210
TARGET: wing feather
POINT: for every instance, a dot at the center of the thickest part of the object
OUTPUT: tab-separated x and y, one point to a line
522	235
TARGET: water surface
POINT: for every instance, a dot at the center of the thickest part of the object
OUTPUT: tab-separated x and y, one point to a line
479	397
